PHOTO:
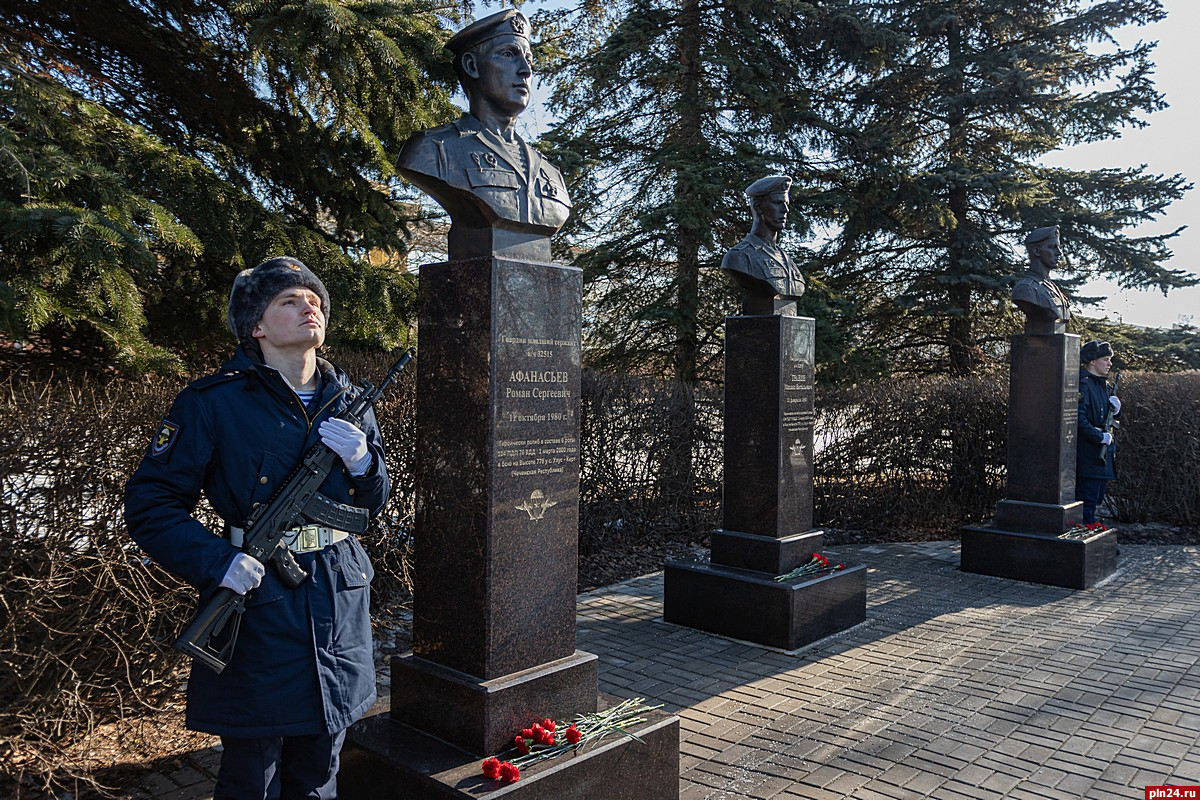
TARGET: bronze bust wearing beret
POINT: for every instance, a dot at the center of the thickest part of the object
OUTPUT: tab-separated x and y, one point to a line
769	279
1044	304
504	198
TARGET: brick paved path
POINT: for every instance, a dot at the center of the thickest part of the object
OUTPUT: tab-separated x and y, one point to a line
956	686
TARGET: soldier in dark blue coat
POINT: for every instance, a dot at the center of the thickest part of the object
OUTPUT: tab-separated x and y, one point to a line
1093	472
303	669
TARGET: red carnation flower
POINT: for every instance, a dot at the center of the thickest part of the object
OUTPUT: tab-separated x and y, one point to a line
527	733
549	725
491	768
509	772
841	566
522	745
573	735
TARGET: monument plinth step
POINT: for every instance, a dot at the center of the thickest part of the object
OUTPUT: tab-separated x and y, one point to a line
753	607
1039	558
764	553
480	716
388	760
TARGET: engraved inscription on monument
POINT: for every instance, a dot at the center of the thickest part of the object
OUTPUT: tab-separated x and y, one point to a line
1070	428
797	415
536	454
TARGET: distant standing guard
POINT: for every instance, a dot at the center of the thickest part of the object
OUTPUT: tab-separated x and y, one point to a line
1095	464
504	198
770	281
1044	304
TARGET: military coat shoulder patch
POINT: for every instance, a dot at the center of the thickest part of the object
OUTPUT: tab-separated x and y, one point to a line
164	439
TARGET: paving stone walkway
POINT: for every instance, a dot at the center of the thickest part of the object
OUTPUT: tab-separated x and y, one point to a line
956	686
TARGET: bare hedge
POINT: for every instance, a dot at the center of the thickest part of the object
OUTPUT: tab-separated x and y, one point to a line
86	621
925	453
1158	455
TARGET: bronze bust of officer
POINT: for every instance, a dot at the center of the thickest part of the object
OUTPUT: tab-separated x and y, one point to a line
504	198
771	283
1044	304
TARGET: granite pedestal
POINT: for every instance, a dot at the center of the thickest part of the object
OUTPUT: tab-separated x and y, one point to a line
1036	558
766	523
1021	542
386	760
488	713
769	416
497	523
753	607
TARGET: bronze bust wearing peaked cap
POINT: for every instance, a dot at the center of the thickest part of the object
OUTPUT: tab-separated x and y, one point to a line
504	198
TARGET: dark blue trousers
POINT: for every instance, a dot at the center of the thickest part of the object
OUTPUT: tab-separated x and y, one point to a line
1091	492
272	768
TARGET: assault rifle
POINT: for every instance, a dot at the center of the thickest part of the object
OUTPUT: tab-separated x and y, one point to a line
212	634
1110	420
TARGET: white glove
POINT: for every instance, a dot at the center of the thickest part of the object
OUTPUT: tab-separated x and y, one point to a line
347	441
244	574
1106	438
1115	402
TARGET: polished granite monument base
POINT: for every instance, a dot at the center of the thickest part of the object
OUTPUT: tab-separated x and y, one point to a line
482	716
496	554
751	606
764	553
1022	541
1050	519
1037	558
386	760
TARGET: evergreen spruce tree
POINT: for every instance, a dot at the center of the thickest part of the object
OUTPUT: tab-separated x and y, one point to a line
670	108
942	168
149	150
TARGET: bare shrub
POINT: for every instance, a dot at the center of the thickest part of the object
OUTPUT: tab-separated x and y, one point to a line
625	424
925	452
84	615
1158	449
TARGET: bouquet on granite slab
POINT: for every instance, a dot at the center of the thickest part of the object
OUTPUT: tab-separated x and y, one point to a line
1084	531
547	739
814	566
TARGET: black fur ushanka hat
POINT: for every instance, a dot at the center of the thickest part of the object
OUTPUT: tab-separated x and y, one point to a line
253	290
1093	350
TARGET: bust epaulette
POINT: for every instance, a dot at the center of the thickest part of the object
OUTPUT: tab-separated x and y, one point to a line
433	133
217	378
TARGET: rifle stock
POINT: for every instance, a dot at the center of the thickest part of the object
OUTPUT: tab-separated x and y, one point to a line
202	639
211	636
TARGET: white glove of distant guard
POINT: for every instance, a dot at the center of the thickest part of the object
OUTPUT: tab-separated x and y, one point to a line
1115	402
1106	438
347	441
244	574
